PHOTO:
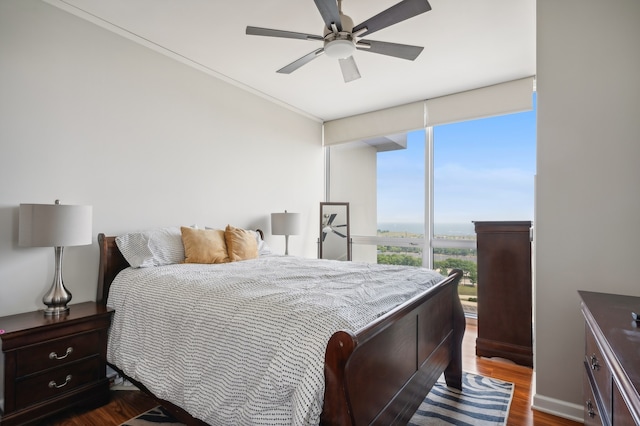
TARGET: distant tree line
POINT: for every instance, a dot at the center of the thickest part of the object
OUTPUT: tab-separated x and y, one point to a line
455	251
393	255
399	259
397	249
469	268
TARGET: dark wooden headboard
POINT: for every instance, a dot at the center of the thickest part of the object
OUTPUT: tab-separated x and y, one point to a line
111	263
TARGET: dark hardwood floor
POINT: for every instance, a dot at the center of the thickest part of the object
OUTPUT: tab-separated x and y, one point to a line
123	406
127	404
520	413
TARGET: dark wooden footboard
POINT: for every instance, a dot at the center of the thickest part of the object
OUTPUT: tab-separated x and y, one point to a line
381	374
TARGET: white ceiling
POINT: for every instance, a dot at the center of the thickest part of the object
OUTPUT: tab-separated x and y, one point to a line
467	44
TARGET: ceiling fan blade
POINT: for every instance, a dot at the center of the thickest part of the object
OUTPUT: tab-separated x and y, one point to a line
331	218
324	235
349	69
339	226
342	235
300	62
397	13
330	13
404	51
280	33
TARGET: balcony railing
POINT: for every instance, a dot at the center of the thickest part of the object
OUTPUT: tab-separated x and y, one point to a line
448	253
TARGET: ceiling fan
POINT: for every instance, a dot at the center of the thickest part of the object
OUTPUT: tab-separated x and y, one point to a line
328	226
341	38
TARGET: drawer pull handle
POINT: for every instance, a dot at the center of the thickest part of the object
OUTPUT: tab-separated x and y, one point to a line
54	355
590	411
53	384
595	365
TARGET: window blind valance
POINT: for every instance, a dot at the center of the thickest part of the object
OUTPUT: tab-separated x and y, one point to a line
504	98
385	122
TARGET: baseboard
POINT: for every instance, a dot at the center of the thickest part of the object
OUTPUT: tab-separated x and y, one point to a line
558	408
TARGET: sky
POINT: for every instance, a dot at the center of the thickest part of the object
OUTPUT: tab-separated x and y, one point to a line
483	170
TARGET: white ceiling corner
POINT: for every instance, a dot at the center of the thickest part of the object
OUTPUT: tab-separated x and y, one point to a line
467	44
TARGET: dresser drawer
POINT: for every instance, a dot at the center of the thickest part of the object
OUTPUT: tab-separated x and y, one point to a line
592	404
55	382
621	414
600	372
611	356
58	352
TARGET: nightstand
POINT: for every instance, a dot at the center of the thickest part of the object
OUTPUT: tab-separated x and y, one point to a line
49	364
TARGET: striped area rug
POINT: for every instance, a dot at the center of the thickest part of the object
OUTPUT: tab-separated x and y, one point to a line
154	417
483	402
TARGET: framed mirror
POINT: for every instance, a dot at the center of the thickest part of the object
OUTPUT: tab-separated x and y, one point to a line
335	238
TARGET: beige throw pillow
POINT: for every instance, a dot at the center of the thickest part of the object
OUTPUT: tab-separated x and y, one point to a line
204	245
241	244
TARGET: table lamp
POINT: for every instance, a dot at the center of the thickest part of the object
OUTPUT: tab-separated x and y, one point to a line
57	226
285	224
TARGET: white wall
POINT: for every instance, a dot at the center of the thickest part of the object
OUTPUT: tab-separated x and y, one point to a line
353	180
587	195
89	117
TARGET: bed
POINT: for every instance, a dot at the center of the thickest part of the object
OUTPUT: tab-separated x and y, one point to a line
377	374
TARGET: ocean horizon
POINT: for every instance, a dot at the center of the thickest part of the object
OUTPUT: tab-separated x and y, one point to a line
452	229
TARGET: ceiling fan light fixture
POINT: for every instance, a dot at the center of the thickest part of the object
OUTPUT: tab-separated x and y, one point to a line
339	49
341	38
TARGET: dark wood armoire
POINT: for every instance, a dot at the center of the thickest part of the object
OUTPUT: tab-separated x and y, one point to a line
505	291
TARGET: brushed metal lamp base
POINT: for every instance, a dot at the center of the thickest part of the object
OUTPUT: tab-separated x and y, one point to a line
286	245
58	296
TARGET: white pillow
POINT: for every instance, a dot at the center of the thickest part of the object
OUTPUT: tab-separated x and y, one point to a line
263	248
155	247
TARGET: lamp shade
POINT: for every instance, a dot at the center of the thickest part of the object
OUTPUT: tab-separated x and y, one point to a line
285	223
54	225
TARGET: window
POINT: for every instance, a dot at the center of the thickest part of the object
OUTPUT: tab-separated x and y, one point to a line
481	169
427	187
401	202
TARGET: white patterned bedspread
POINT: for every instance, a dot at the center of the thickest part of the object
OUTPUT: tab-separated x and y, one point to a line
243	343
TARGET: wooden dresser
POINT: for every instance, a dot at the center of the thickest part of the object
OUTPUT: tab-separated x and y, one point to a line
505	291
48	364
611	359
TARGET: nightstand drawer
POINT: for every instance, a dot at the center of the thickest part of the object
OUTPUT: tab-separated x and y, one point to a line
57	381
55	363
57	352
